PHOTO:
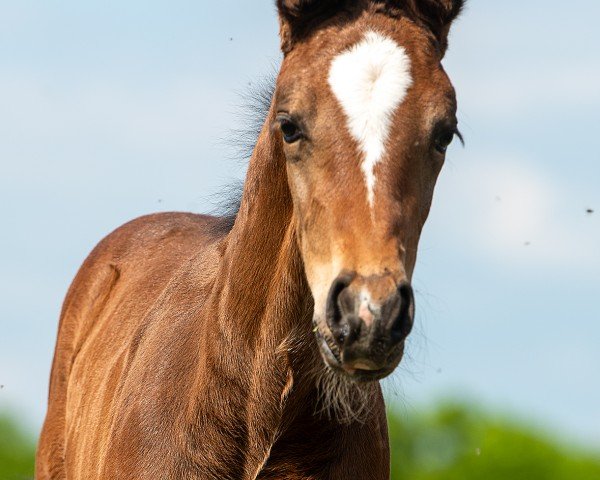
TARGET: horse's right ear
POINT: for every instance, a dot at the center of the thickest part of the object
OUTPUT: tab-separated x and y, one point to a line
297	17
435	15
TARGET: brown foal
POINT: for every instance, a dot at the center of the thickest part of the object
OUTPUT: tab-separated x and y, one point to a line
192	349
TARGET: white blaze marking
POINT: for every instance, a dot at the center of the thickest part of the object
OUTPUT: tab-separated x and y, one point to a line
370	80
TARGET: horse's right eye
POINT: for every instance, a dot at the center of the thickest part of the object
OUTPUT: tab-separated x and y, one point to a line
290	131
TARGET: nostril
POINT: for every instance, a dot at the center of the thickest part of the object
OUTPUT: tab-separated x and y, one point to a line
334	311
403	323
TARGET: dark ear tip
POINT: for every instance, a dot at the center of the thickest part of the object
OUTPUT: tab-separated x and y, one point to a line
447	9
290	7
297	9
436	15
299	16
458	6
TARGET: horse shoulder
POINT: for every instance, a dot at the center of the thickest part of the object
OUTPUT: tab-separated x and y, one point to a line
104	308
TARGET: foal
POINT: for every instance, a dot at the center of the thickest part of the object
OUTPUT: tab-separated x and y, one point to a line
192	349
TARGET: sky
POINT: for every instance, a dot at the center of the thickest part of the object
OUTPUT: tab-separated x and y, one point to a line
110	110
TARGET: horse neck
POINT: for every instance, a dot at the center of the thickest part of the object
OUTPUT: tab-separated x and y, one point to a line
257	324
261	278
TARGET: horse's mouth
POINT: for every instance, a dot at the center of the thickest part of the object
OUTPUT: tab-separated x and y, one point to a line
333	359
329	349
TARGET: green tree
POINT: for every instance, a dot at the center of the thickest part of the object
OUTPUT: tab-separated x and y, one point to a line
17	450
459	442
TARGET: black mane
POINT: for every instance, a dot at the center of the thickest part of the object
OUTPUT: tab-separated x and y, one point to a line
254	108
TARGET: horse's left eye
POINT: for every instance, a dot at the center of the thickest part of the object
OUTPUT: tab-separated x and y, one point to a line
290	131
443	140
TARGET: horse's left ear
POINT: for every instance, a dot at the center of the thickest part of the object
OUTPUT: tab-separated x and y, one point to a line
436	15
296	17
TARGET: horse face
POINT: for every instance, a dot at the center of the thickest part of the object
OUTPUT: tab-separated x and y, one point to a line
365	113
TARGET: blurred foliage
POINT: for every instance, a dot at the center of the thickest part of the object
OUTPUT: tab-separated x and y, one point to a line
17	450
452	442
459	442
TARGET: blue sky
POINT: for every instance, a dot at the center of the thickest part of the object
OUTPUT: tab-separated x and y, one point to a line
110	110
